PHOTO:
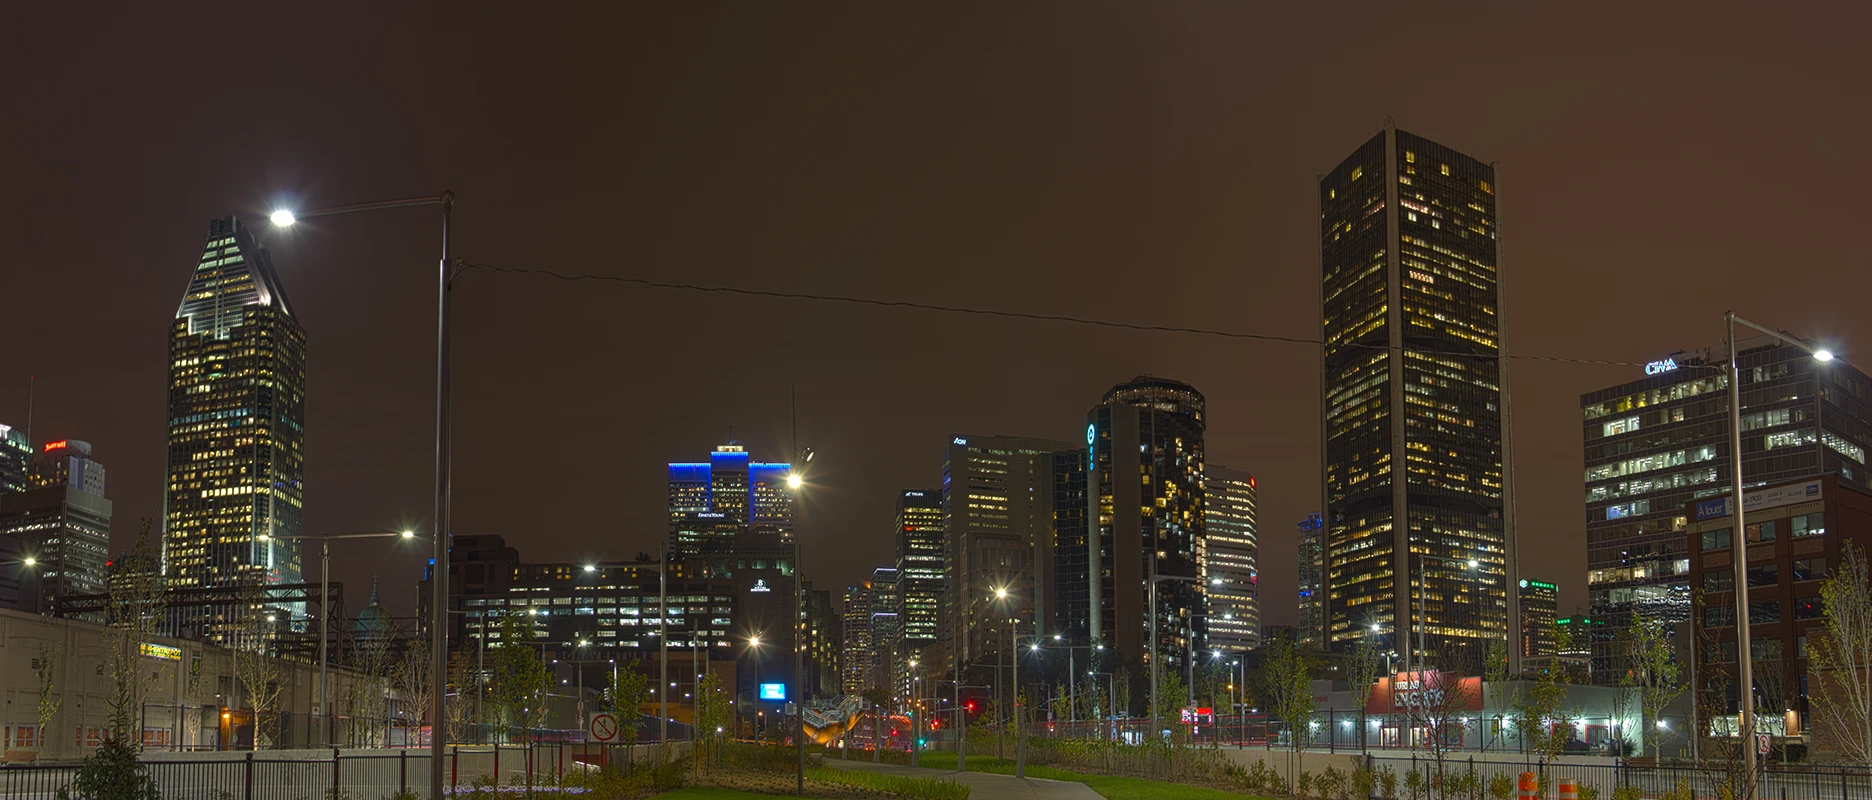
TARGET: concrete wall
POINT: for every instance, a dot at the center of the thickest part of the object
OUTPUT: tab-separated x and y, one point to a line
177	712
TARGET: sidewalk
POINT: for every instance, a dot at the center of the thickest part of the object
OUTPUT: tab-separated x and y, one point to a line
983	785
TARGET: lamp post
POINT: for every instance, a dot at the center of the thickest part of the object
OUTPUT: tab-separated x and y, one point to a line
1154	580
1738	550
1111	685
1020	721
1072	670
795	482
325	607
438	616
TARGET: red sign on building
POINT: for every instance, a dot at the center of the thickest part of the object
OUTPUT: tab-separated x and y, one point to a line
1406	690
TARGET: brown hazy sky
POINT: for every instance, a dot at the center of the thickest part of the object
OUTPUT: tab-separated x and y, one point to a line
1146	162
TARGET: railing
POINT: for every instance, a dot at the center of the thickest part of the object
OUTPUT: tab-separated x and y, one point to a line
193	728
314	775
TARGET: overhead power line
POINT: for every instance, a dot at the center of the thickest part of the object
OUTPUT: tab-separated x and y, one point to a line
991	312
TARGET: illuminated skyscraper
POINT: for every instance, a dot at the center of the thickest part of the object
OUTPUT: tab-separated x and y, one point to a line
1660	441
1228	560
1412	401
1540	603
1146	440
15	458
711	503
63	520
855	668
1310	630
919	569
236	472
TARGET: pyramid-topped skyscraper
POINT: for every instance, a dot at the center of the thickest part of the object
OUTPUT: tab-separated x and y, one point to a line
236	474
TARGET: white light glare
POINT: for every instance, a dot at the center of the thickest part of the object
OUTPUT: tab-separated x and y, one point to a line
283	218
1823	355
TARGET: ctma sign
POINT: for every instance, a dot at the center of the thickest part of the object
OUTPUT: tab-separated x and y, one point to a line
1660	367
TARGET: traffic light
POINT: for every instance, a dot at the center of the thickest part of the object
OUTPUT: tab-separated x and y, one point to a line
969	706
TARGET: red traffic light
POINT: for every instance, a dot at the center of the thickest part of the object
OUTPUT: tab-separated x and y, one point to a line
970	705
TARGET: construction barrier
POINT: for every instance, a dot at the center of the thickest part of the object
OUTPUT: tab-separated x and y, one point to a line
1529	787
1569	789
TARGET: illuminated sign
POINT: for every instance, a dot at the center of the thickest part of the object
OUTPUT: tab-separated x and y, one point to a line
58	445
1760	499
760	586
162	651
1525	583
1091	434
913	494
959	440
773	691
1660	367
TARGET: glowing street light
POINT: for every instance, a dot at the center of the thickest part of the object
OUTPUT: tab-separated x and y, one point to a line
283	218
793	481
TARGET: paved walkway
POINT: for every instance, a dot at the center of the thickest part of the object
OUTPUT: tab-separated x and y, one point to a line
983	785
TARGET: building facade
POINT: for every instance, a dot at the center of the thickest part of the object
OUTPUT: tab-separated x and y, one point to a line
1412	398
855	670
1540	610
1793	536
1310	551
16	456
1146	475
996	506
235	487
1228	560
63	521
919	585
712	502
1656	443
886	627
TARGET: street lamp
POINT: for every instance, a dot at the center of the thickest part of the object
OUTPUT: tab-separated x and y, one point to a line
1737	544
444	477
325	595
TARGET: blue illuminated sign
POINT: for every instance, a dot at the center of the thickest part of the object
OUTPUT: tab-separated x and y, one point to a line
1660	367
1091	434
773	691
959	440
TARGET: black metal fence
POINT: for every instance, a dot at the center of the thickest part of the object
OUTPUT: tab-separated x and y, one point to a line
321	775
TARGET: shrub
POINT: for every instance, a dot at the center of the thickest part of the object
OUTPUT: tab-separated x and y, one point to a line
1330	784
112	773
1387	782
1682	792
926	788
1262	779
1627	793
1303	786
1414	785
1362	782
1588	791
1501	787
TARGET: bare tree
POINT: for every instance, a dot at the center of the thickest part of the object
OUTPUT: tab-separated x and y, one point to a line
1503	692
414	676
1438	701
255	666
1840	661
135	608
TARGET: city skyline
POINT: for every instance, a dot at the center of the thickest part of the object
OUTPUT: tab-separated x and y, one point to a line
1209	192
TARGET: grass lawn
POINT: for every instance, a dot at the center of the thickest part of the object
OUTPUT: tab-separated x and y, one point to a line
1109	787
712	793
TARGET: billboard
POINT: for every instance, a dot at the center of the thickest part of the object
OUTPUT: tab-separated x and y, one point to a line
1406	690
773	691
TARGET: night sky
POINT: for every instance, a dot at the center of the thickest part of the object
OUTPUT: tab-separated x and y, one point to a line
1142	162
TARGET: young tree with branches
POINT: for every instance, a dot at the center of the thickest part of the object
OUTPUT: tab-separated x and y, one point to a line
254	663
45	670
1655	675
414	675
1438	702
1502	691
1287	683
1362	663
134	611
625	697
1839	661
1542	717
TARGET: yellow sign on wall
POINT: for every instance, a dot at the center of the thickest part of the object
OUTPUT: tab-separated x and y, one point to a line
162	651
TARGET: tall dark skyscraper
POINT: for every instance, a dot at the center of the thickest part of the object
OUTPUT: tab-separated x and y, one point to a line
997	501
1146	440
1412	402
1658	442
237	374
